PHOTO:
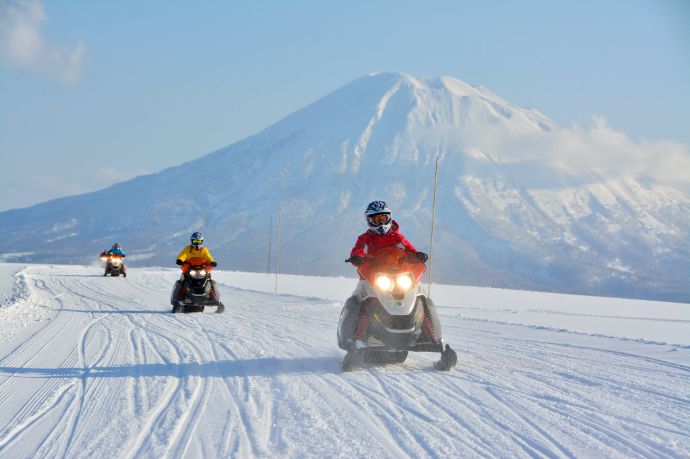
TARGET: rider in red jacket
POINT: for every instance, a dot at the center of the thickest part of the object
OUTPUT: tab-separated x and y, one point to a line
383	232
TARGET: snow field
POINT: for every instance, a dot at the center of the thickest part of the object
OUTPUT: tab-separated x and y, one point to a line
106	371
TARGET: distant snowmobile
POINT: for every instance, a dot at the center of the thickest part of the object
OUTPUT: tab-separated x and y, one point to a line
195	289
393	314
114	264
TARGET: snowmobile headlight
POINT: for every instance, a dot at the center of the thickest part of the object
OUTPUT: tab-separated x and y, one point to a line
404	282
115	261
384	282
104	258
197	273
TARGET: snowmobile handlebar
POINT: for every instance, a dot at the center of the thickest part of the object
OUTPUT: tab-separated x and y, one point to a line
391	260
407	258
196	262
361	260
203	265
105	256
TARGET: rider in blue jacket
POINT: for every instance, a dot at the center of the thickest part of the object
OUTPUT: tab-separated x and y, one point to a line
116	250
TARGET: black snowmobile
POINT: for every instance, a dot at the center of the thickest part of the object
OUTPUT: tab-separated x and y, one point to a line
195	290
114	264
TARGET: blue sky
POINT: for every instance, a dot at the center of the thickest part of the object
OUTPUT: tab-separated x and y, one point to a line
92	93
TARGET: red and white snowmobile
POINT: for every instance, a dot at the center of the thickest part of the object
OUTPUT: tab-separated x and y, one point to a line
388	315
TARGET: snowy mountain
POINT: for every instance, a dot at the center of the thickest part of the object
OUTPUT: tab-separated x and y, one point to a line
522	202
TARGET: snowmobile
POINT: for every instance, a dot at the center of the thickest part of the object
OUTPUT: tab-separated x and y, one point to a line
195	290
393	314
114	264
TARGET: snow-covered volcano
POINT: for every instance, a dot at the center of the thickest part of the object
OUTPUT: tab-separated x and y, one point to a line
522	202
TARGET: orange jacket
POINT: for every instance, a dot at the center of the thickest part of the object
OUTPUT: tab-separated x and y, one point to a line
191	252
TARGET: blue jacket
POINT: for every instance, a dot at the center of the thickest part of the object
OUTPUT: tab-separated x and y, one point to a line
116	252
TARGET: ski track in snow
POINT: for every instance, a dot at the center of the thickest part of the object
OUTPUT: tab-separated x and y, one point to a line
109	372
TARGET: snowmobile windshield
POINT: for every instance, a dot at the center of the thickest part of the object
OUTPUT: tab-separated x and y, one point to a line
196	264
392	262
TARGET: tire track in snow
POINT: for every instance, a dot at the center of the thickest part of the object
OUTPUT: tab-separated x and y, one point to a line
175	399
34	352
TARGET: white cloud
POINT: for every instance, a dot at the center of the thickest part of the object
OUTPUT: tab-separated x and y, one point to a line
599	149
23	45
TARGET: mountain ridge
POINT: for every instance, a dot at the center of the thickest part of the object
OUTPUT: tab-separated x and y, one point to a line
522	202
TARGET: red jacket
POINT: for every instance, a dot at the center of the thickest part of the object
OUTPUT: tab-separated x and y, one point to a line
370	242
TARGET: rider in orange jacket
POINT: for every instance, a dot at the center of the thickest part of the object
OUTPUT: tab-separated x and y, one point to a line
194	250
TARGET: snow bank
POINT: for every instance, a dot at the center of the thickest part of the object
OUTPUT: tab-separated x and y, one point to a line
646	321
7	279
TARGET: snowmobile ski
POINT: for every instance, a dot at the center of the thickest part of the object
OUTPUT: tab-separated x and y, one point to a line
448	359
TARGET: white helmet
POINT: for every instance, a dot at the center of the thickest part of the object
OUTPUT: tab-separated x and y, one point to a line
378	216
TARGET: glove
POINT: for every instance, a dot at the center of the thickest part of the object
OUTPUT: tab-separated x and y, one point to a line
416	257
178	261
356	260
214	264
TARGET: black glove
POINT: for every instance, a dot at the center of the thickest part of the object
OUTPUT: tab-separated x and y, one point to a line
356	260
214	264
416	257
421	256
179	262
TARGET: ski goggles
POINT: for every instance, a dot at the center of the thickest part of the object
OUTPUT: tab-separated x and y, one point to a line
379	219
197	242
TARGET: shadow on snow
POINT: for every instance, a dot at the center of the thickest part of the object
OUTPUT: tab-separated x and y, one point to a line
122	311
264	366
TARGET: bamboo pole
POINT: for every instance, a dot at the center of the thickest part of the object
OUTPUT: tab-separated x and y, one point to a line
270	237
433	221
277	255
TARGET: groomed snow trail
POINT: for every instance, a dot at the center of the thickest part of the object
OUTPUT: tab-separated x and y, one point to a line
106	371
